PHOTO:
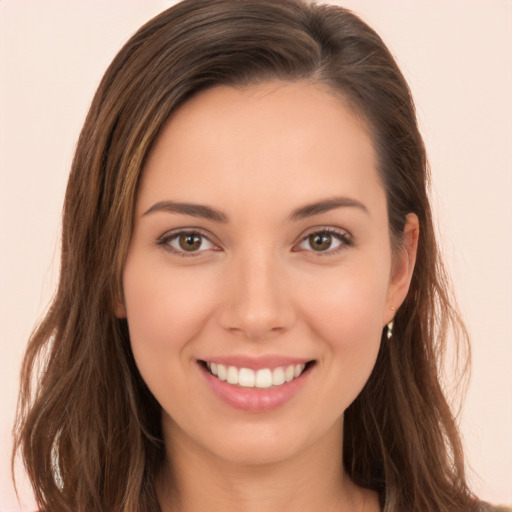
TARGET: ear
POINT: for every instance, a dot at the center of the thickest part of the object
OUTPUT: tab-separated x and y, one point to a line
402	268
119	306
120	310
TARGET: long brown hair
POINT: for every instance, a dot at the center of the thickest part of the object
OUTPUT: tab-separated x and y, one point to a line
90	431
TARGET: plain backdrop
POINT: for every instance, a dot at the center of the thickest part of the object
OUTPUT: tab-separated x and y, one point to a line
457	56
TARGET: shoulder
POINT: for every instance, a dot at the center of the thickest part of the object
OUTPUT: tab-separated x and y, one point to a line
487	507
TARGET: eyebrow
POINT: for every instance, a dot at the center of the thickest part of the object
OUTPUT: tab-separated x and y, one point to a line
207	212
195	210
326	205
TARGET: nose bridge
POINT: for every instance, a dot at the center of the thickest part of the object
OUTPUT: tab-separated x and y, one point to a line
258	302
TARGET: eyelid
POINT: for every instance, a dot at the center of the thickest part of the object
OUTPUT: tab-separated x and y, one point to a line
164	239
346	239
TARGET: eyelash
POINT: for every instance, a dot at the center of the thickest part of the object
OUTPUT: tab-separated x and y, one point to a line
165	240
342	236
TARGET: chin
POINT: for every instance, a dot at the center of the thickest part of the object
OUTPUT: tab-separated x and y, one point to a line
257	450
257	442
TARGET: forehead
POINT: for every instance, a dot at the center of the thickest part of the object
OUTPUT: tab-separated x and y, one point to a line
273	140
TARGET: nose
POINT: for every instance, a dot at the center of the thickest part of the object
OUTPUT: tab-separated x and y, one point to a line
258	302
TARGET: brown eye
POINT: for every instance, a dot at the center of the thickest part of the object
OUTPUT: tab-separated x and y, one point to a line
327	241
187	243
320	241
190	241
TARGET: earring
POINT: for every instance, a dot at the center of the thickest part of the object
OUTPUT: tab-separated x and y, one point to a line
389	332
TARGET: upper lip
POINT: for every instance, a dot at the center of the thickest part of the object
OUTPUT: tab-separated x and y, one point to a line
256	363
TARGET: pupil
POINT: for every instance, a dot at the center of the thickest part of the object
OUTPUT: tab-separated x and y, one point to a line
190	242
321	242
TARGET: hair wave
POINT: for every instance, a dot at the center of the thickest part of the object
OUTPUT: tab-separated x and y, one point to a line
89	431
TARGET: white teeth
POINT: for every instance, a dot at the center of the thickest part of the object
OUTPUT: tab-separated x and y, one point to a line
232	376
221	372
246	377
289	373
263	378
277	377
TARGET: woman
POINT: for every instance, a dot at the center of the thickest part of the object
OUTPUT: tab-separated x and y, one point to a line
251	305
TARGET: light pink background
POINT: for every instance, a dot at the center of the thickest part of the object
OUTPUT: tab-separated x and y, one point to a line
457	56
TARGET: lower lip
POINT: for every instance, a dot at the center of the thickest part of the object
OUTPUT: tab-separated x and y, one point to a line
255	399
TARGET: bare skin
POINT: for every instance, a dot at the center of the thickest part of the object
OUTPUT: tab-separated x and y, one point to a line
261	233
205	483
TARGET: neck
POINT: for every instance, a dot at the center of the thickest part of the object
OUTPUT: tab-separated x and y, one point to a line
309	481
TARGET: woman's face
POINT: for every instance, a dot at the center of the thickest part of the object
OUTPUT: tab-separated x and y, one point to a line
260	245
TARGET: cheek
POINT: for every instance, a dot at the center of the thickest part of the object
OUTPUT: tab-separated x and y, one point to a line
347	303
346	319
349	323
166	311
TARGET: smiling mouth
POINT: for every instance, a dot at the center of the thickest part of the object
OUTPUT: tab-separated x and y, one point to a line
263	378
